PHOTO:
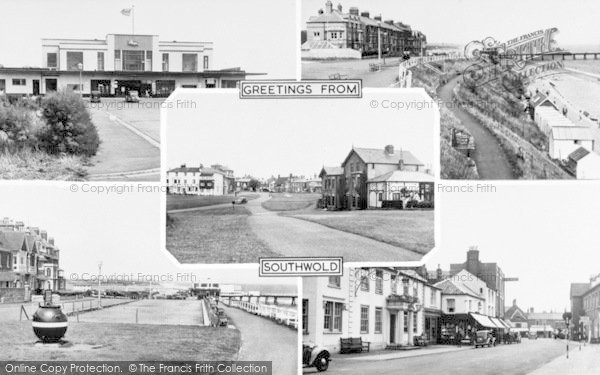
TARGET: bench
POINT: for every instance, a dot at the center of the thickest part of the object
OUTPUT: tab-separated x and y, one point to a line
354	344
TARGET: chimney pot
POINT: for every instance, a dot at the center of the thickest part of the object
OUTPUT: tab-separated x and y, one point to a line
365	14
389	149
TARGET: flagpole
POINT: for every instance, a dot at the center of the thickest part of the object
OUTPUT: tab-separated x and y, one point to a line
132	21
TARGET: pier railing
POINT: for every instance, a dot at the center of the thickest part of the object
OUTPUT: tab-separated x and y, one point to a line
279	314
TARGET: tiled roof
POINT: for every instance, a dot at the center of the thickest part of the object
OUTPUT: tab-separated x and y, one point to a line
185	169
403	176
579	154
13	240
334	16
449	287
579	289
379	156
332	171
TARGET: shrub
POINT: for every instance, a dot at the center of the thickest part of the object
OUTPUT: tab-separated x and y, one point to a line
17	127
69	128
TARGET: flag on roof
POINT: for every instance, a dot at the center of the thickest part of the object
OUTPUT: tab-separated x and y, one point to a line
126	11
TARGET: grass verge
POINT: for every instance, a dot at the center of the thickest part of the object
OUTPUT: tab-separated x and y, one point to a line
411	230
218	235
290	202
179	202
122	342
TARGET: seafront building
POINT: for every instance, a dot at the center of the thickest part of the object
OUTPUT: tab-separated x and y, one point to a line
118	64
214	180
355	34
29	262
376	178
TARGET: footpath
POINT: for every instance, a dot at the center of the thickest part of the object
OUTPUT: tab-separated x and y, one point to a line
580	362
384	355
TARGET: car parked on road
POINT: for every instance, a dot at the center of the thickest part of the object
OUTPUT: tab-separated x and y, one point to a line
95	97
315	356
132	97
484	338
241	200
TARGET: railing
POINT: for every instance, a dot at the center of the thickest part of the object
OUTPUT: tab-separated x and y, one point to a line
279	314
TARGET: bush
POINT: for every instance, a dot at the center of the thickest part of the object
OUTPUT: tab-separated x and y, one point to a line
17	127
69	128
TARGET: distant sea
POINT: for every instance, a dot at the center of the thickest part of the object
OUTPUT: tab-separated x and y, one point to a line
581	47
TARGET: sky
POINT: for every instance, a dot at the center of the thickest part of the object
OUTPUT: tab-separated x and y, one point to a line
546	234
259	35
268	137
120	230
461	21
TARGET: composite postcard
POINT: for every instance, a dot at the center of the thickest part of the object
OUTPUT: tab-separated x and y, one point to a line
288	187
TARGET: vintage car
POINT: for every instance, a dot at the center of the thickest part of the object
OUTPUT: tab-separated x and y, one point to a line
484	338
132	97
95	97
240	200
315	356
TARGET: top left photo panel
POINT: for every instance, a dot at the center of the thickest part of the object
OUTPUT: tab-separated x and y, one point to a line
82	82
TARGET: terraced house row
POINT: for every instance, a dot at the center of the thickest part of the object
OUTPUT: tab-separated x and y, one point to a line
29	261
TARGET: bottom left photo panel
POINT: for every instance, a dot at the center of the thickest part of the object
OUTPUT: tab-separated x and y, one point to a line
83	278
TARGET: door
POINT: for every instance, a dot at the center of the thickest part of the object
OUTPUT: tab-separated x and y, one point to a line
372	199
36	87
392	328
2	86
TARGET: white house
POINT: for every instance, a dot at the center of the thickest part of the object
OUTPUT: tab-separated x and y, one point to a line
216	180
566	139
585	164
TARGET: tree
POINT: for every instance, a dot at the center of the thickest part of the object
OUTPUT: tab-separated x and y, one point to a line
254	184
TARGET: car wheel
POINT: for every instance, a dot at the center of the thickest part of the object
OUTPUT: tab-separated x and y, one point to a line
322	363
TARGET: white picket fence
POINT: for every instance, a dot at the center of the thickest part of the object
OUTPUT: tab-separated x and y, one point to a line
276	313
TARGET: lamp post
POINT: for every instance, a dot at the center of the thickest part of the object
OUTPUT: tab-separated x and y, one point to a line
567	316
99	273
379	42
80	68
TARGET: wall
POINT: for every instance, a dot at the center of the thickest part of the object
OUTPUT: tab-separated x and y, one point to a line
330	53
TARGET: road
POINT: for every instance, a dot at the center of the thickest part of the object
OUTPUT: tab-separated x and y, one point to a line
489	157
265	340
295	237
353	69
515	359
130	140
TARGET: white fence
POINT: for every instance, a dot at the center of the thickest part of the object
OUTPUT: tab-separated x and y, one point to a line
405	75
276	313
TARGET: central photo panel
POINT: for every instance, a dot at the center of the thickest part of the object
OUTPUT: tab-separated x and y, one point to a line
284	177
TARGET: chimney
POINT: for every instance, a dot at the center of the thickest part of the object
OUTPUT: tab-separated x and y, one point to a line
365	14
354	11
377	18
329	6
514	302
339	7
51	241
44	235
182	165
390	22
438	273
389	149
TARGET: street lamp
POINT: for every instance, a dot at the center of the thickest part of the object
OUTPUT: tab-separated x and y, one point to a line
99	273
80	68
379	42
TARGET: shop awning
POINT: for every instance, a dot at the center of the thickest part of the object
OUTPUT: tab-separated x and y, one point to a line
483	320
497	322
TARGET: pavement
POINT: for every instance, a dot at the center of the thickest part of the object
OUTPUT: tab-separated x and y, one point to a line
583	360
513	359
130	140
12	311
265	340
353	69
491	161
295	237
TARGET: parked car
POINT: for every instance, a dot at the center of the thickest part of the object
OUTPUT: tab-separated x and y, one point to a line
532	335
95	97
315	356
132	97
241	200
223	319
420	341
485	338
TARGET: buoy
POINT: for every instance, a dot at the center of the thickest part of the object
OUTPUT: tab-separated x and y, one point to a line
49	323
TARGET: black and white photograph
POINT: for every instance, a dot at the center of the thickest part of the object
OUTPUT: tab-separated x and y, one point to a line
95	285
331	177
506	293
82	82
517	83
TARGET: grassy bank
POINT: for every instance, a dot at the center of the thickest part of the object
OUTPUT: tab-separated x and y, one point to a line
38	165
411	230
178	202
218	235
290	202
122	342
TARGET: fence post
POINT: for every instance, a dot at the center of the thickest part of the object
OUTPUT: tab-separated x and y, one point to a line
136	316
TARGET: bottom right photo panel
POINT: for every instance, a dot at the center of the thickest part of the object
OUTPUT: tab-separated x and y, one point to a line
513	288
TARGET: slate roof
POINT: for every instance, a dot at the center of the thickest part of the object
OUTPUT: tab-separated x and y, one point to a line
403	176
514	310
451	288
579	289
579	154
14	240
332	171
379	156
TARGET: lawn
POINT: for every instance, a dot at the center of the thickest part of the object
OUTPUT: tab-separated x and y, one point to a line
178	202
217	235
412	230
290	202
122	342
37	165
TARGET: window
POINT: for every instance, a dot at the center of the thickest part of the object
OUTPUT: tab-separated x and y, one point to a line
380	197
100	60
405	322
396	196
378	319
165	62
133	60
451	305
415	321
117	54
415	289
432	299
52	60
205	62
19	81
405	283
394	285
229	84
316	33
364	283
334	281
379	282
74	59
333	316
189	62
364	319
305	316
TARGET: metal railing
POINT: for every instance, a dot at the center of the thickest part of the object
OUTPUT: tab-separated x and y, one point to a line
279	314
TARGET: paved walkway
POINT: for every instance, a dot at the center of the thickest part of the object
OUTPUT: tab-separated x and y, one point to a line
580	362
295	237
489	157
265	340
384	355
354	69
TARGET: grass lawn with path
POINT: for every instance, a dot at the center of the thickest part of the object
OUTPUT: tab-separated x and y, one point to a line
412	230
219	235
122	342
180	202
290	202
